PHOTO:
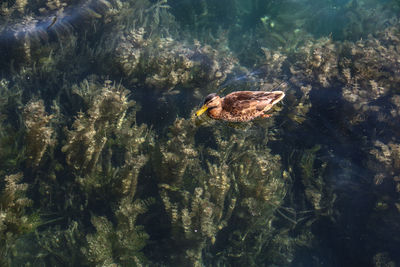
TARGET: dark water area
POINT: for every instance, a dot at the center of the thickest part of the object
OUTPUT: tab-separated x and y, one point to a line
104	162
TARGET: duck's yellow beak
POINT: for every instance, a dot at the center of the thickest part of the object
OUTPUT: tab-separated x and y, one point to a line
201	111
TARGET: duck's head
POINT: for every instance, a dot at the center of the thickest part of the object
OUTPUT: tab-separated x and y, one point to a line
211	101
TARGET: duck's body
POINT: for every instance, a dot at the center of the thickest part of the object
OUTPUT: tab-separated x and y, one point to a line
240	106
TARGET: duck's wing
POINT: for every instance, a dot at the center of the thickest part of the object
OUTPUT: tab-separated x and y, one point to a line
249	102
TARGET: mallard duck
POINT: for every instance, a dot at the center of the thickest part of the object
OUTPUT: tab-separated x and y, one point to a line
240	106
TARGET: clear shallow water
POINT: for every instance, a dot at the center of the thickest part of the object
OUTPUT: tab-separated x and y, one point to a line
102	161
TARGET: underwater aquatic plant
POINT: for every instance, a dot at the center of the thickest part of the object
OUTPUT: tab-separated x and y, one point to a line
120	244
317	191
370	68
38	132
385	161
177	154
106	148
53	245
195	201
164	63
91	130
242	182
110	174
315	61
12	132
14	221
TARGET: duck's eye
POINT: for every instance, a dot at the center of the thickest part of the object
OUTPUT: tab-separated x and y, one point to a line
209	97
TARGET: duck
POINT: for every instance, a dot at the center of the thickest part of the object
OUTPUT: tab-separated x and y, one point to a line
240	106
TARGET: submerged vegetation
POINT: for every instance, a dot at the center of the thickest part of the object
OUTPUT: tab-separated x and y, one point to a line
103	163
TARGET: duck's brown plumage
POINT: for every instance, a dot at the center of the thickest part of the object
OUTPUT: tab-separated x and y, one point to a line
242	105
